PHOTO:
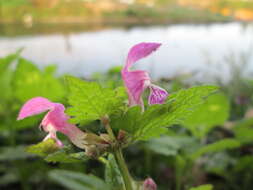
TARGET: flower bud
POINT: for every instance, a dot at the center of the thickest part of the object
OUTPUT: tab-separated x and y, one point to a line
149	184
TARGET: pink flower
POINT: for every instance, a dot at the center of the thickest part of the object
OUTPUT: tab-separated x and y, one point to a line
137	81
54	121
149	184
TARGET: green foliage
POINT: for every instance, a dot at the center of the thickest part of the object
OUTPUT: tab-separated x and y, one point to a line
90	101
218	146
214	111
77	181
243	131
30	82
13	153
170	145
64	156
112	174
43	148
202	187
152	123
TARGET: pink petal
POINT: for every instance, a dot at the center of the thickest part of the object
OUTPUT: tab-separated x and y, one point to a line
35	106
140	51
136	82
157	95
56	117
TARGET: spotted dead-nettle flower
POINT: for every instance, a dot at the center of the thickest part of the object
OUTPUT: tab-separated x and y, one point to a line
138	80
54	121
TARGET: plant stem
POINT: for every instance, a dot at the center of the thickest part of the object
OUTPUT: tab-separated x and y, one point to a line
119	156
123	169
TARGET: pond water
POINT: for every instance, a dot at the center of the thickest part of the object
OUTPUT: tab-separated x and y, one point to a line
186	48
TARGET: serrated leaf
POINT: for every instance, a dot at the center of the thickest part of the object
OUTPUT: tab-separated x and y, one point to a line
43	148
214	111
77	181
218	146
90	101
203	187
30	82
152	123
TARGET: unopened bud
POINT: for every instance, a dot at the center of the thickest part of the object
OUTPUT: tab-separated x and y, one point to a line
149	184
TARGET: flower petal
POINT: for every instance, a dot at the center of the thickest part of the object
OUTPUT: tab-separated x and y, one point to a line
140	51
157	95
35	106
136	82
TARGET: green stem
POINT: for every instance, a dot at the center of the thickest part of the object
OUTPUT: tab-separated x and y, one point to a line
119	156
123	169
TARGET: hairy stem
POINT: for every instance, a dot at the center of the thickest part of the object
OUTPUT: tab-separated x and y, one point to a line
119	156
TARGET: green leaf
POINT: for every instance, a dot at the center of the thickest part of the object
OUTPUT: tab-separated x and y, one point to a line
64	156
13	153
90	101
218	146
203	187
30	82
77	181
152	123
43	148
243	131
169	146
112	174
214	111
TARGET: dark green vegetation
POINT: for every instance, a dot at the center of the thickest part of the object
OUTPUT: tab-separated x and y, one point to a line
212	146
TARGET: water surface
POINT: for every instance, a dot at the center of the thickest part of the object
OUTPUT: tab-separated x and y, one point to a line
186	48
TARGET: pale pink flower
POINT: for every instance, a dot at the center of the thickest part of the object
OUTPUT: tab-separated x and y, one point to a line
149	184
54	121
138	80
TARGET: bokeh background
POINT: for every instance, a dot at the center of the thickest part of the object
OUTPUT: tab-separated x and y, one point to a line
203	42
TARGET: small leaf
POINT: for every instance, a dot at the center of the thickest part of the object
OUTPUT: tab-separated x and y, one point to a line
77	181
43	148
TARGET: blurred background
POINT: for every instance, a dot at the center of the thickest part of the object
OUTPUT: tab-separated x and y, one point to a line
204	41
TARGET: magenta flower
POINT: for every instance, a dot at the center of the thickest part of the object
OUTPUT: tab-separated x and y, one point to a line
54	121
137	81
149	184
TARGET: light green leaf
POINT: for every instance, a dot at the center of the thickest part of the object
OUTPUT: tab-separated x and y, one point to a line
77	181
214	111
90	101
30	82
43	148
243	131
218	146
203	187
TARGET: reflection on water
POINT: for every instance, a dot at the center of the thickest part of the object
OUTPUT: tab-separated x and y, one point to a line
185	48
